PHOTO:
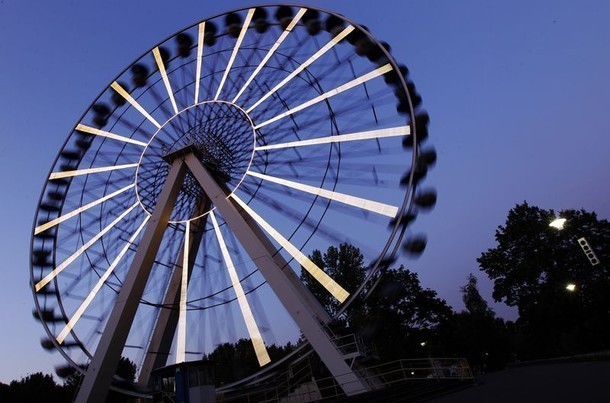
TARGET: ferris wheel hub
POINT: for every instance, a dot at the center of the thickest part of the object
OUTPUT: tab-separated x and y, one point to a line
222	136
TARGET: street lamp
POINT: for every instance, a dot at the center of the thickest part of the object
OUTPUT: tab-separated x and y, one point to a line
559	223
571	287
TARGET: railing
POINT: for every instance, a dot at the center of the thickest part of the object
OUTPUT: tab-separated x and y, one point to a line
283	384
394	373
350	346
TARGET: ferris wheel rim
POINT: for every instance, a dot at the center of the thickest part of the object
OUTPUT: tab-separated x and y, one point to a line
406	205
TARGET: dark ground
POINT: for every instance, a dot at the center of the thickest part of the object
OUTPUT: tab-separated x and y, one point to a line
575	382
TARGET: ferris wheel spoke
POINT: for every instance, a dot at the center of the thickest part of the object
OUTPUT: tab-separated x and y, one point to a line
168	86
200	36
80	250
69	174
166	323
102	133
79	210
271	51
355	82
85	304
305	64
117	87
324	279
255	336
181	342
333	235
364	204
240	38
367	135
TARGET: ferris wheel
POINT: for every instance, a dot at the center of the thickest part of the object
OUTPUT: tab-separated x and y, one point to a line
184	204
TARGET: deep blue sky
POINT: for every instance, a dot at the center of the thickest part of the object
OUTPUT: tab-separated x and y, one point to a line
518	93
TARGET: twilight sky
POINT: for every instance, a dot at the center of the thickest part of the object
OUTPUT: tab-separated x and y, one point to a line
518	93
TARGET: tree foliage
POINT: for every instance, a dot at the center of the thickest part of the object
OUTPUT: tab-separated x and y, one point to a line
126	371
531	266
37	387
477	334
234	361
344	264
398	315
473	301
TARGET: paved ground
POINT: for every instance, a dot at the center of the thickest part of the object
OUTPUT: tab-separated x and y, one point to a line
575	382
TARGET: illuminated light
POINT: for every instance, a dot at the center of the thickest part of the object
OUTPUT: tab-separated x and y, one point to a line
306	64
199	59
423	344
80	250
558	223
168	86
181	342
365	204
253	331
117	87
362	79
244	29
586	248
571	287
368	135
324	279
79	210
277	43
102	133
68	174
85	304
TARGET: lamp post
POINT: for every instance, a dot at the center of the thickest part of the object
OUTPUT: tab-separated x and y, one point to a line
559	224
586	248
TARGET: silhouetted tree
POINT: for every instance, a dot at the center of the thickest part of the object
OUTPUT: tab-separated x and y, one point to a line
234	361
344	265
531	266
126	370
400	317
34	388
476	333
473	301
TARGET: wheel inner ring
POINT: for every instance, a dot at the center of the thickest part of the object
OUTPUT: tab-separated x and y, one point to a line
224	137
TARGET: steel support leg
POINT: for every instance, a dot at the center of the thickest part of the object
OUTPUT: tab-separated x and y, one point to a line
165	326
276	271
102	367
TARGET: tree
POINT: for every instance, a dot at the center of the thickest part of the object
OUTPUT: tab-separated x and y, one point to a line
401	317
476	333
473	301
531	266
37	387
126	372
234	361
344	265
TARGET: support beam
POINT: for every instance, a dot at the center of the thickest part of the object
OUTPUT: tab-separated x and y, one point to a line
276	271
167	320
102	367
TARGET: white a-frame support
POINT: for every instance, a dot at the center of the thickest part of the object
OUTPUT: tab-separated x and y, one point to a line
100	371
276	271
165	326
273	267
